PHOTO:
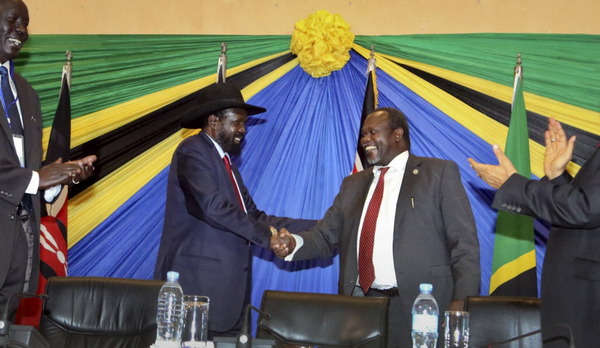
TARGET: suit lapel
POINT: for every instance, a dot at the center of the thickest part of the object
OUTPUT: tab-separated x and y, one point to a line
406	197
6	130
223	176
28	117
6	127
362	189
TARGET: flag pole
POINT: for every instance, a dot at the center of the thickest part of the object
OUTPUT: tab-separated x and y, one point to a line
222	65
514	271
68	68
370	103
372	65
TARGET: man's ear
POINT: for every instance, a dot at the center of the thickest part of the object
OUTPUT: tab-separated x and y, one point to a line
212	121
398	134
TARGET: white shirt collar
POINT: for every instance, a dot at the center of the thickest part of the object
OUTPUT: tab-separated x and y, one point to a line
217	146
397	164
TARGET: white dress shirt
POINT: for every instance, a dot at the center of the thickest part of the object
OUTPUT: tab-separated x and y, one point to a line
383	253
34	182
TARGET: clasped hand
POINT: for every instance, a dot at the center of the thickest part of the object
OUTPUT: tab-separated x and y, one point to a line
283	243
67	173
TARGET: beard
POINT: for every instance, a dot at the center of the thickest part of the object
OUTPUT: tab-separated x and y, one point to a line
228	144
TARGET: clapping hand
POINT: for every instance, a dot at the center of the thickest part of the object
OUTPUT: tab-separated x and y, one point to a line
67	173
559	150
86	165
282	243
495	175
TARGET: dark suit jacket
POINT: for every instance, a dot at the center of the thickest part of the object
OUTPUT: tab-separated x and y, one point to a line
571	271
14	179
206	236
434	242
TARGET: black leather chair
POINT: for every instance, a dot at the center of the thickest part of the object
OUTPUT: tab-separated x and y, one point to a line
324	320
94	312
499	318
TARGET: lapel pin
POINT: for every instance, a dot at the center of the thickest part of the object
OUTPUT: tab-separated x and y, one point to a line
415	171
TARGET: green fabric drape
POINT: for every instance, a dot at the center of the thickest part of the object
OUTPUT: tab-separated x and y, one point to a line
557	66
111	69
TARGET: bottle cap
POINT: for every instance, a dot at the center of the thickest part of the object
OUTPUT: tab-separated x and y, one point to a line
425	287
172	276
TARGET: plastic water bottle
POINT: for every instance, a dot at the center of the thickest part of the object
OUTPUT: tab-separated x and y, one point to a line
425	318
169	317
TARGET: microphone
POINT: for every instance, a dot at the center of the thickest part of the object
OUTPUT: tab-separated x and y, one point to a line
533	333
244	339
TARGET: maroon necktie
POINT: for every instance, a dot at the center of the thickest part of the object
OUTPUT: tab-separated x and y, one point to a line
235	186
366	270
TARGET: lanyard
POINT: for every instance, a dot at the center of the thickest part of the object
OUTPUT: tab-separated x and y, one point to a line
14	102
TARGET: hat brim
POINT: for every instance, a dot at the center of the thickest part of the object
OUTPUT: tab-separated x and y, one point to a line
193	118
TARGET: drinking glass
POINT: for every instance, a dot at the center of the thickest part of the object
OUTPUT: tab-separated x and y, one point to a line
195	325
457	329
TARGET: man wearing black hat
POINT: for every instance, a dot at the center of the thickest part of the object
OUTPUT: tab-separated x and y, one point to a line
211	220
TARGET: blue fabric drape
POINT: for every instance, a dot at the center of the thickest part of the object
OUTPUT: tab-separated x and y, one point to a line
295	157
125	245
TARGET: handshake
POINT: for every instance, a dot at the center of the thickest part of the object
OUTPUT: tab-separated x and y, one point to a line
282	242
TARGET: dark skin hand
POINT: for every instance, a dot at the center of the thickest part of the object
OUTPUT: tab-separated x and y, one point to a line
67	173
283	244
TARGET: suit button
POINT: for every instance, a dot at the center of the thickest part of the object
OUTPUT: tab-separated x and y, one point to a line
518	210
503	205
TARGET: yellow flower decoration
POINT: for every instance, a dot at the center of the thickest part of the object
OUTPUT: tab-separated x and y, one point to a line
322	43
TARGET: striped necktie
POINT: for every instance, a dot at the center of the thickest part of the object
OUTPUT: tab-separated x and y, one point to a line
366	271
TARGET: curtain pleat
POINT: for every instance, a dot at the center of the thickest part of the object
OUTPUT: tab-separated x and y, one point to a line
298	152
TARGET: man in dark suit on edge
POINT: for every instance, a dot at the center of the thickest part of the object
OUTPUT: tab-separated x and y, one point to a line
424	231
21	177
571	271
211	221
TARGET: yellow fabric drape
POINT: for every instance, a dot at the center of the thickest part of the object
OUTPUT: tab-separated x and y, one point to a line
481	125
584	119
92	206
91	126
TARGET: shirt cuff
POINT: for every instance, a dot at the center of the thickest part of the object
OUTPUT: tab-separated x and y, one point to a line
299	244
34	183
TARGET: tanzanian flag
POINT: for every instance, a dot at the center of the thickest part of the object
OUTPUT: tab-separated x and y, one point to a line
514	260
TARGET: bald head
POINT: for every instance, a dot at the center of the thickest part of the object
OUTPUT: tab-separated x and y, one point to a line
384	136
14	19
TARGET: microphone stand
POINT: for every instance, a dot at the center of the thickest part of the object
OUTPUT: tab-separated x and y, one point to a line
5	324
244	339
533	333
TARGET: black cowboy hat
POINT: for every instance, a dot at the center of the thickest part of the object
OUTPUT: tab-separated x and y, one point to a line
213	99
